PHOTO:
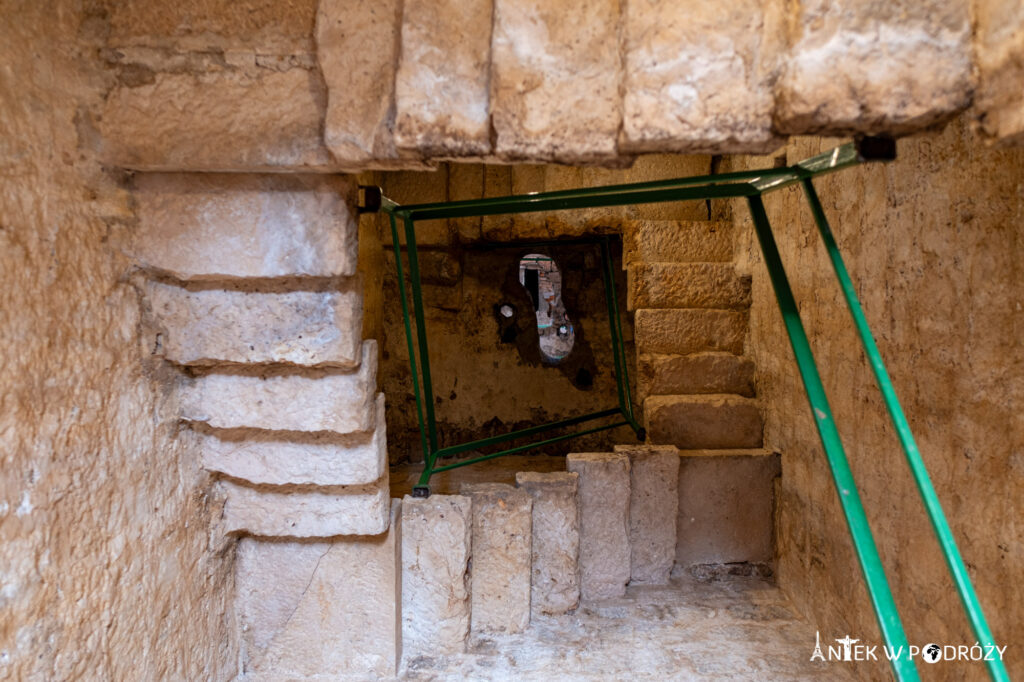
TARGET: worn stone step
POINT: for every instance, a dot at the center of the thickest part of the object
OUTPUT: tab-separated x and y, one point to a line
604	492
712	372
321	609
726	506
224	226
502	541
273	458
687	285
555	580
284	511
653	511
436	541
210	326
682	331
703	421
316	400
676	241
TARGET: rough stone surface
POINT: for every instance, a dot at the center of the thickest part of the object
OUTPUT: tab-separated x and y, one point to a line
676	241
698	373
698	75
555	582
320	512
436	541
317	400
934	247
207	326
322	609
604	523
734	628
357	47
703	421
726	508
193	121
869	67
112	565
273	458
555	79
501	557
653	508
227	226
999	54
682	331
442	101
687	285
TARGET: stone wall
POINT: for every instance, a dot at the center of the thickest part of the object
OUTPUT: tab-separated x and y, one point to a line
342	85
112	559
933	243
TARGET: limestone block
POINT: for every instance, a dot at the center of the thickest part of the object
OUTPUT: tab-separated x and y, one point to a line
224	226
555	582
683	331
326	608
317	400
321	512
698	373
687	285
698	76
678	241
207	326
272	458
501	557
436	537
999	50
357	46
726	507
604	523
216	120
703	421
555	77
857	66
653	510
442	101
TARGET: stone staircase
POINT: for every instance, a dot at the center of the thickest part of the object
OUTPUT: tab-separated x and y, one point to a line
496	559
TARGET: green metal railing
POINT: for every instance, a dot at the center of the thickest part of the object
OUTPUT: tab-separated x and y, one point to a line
750	185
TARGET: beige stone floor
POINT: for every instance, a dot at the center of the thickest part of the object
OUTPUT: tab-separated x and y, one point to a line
732	628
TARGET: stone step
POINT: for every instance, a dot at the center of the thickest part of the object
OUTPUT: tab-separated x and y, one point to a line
316	400
687	285
284	511
712	372
272	458
325	609
436	542
682	331
676	241
210	326
225	226
604	497
653	511
703	421
555	577
502	541
726	506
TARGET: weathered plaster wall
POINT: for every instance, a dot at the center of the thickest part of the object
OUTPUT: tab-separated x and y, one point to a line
112	564
933	242
484	386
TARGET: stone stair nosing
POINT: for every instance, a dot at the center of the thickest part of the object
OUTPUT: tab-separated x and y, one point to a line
711	421
676	241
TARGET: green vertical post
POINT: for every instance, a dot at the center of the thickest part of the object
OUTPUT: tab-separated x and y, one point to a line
609	294
408	334
857	522
972	607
